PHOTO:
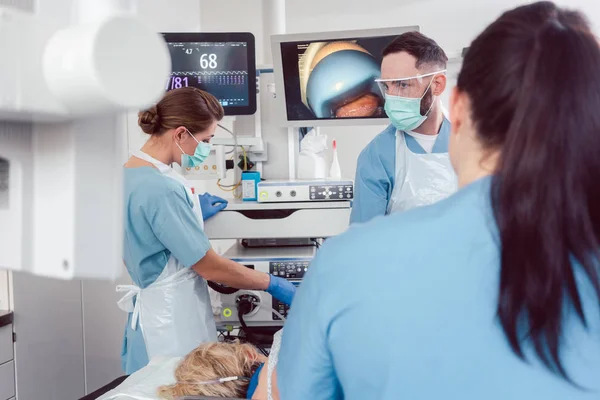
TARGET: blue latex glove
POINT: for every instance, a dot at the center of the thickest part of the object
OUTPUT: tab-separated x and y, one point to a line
211	205
282	289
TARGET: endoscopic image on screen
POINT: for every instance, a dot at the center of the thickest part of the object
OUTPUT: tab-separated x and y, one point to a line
333	79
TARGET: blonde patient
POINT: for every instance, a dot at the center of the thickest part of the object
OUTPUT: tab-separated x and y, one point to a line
199	372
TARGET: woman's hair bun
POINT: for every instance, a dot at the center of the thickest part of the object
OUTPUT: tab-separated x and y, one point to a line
149	121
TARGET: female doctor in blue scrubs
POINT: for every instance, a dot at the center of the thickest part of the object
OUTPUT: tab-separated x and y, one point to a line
166	252
504	301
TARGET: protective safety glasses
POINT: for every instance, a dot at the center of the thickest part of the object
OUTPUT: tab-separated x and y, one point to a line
410	87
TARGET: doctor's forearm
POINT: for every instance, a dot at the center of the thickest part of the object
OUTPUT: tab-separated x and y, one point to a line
213	267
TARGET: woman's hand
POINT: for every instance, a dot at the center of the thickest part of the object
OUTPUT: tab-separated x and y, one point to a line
211	205
282	289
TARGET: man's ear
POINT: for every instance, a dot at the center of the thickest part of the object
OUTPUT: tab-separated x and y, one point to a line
439	84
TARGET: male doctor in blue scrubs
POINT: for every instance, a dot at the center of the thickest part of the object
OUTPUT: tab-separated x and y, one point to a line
407	165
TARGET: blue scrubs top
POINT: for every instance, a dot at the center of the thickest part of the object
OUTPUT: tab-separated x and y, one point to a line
159	220
404	307
376	171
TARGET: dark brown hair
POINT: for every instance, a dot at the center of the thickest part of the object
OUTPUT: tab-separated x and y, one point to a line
424	49
190	107
532	79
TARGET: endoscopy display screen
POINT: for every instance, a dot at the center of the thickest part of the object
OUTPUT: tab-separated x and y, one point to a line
333	79
220	68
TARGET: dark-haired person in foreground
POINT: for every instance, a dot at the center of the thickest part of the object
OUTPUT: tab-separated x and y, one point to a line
507	304
407	165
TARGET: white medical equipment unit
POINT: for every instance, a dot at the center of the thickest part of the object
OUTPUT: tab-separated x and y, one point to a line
305	190
61	207
276	238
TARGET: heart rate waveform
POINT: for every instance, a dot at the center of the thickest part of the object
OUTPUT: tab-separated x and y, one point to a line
209	73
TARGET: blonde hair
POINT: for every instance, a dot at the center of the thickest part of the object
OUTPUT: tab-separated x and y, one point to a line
212	361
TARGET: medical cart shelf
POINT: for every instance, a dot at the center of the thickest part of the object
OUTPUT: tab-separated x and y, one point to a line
251	220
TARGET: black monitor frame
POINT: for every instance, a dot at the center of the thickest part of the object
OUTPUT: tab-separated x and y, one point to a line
247	37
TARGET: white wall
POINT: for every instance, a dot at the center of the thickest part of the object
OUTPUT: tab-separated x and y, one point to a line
233	16
4	304
452	23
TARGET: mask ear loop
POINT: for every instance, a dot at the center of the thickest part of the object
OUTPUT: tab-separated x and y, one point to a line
193	137
190	133
426	90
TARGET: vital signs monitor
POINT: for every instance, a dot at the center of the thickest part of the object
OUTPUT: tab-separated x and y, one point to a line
223	64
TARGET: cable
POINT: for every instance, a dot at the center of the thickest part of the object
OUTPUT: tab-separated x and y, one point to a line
274	311
220	288
232	188
230	151
225	129
244	307
235	156
231	133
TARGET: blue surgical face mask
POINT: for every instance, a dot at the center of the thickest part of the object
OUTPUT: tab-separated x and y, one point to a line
405	112
254	381
200	154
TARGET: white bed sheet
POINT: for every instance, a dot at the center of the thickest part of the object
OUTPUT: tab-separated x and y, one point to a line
143	384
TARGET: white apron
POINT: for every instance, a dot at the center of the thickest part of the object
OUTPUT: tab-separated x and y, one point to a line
174	312
421	179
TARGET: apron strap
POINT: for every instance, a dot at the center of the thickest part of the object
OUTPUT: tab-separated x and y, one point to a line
126	302
162	167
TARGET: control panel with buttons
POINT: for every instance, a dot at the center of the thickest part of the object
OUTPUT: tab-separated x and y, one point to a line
290	263
341	192
309	191
289	269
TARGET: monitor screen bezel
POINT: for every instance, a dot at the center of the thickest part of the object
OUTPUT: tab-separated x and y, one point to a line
277	40
247	37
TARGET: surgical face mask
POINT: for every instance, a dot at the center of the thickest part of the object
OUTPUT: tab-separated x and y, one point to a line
200	154
405	113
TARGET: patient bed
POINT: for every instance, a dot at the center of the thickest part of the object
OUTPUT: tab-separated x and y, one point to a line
98	393
143	384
